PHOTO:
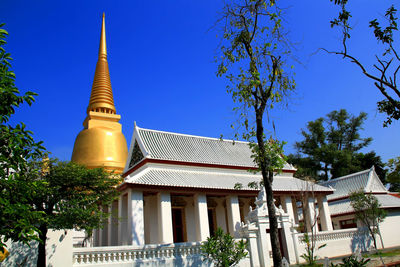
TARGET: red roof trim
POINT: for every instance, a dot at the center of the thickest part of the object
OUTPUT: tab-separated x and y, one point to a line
194	164
395	194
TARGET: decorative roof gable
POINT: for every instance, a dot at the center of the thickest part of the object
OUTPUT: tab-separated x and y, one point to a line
367	181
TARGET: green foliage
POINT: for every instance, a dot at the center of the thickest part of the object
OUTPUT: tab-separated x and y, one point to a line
222	250
18	221
352	261
367	210
69	194
309	256
330	147
385	70
393	177
37	195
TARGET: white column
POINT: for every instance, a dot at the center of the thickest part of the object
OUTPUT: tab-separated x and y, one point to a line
104	230
311	215
191	229
110	222
295	211
232	205
253	248
263	241
114	223
135	218
164	218
100	239
324	213
95	235
221	215
201	217
121	220
287	206
288	239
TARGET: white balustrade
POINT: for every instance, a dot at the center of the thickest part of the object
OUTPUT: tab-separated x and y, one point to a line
334	235
125	254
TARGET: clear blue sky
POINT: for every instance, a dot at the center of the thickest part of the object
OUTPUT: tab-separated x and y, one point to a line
161	54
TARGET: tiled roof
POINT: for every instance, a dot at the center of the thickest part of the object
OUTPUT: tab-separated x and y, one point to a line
215	180
195	149
367	180
343	206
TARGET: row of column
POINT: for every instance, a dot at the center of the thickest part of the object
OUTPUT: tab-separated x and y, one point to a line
312	213
129	229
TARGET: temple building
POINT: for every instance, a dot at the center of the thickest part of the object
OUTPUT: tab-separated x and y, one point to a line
179	188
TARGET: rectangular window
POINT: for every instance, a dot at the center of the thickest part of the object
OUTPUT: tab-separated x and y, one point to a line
346	224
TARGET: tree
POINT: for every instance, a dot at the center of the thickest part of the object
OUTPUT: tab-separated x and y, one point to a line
385	71
223	250
367	210
254	55
17	148
309	224
69	195
393	177
37	195
330	147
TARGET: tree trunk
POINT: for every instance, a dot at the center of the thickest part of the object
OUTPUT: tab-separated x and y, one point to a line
273	222
41	261
380	236
374	239
268	179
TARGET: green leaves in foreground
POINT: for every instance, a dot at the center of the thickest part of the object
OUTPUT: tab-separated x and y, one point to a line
222	250
18	221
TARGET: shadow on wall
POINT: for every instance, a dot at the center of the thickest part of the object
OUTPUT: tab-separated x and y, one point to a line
26	256
361	242
21	255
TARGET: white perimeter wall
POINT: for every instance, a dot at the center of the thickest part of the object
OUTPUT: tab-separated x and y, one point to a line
58	251
390	230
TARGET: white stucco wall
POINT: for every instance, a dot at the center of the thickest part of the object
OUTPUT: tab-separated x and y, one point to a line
390	229
338	246
58	251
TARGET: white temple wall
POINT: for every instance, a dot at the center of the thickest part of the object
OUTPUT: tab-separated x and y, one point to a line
390	230
58	251
338	243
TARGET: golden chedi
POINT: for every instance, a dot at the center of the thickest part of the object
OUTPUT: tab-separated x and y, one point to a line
101	142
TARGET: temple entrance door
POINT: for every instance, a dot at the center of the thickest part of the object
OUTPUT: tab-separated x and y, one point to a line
212	221
178	223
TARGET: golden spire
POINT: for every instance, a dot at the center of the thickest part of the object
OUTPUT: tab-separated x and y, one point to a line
101	142
101	98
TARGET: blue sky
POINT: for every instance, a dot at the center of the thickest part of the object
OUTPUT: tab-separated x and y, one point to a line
161	55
